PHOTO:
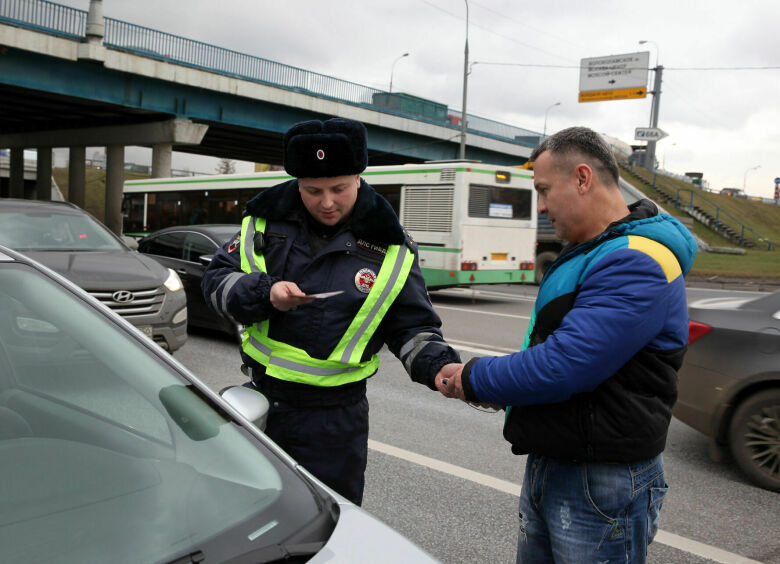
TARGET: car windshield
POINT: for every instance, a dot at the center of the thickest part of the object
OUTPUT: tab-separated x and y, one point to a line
109	454
30	230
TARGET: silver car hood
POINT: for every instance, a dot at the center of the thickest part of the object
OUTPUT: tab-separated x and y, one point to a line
104	270
360	537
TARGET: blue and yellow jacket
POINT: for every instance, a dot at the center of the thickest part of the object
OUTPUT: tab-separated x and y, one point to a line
597	374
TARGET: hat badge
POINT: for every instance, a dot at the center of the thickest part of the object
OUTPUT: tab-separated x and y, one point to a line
320	154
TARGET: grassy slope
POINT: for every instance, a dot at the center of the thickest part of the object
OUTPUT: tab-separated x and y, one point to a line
763	218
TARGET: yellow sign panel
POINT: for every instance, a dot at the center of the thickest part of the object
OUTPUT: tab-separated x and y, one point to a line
619	94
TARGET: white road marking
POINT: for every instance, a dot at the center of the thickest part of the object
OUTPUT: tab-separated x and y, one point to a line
446	468
478	348
669	539
465	292
468	310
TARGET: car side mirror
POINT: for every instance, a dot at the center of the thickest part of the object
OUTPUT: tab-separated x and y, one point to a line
130	242
250	403
205	260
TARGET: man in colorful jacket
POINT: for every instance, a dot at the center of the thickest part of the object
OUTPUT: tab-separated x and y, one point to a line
592	389
323	275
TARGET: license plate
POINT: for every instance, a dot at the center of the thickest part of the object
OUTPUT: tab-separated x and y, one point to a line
146	330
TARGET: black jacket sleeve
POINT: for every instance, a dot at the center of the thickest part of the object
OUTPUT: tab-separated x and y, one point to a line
237	295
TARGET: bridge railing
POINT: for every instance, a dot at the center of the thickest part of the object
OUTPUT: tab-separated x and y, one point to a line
70	22
46	16
173	48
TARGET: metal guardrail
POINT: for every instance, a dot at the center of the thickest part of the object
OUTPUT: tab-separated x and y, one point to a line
71	22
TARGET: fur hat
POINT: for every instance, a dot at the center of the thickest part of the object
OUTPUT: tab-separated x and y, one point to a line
315	149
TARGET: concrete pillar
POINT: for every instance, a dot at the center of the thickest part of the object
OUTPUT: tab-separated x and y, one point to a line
115	176
43	175
77	179
161	160
16	173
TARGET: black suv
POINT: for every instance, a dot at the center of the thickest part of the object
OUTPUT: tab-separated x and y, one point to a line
73	243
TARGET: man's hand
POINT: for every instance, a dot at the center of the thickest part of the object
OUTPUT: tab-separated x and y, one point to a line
287	295
448	381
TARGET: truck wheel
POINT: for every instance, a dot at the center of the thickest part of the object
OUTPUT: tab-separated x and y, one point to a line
754	436
543	262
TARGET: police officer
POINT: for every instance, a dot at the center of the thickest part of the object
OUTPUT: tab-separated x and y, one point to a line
325	232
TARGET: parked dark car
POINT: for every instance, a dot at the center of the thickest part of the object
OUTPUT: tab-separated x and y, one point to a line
729	386
73	243
111	451
182	249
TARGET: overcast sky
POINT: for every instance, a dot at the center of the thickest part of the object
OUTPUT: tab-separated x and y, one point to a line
720	122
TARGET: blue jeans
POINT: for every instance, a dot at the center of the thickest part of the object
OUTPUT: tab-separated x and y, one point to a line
589	512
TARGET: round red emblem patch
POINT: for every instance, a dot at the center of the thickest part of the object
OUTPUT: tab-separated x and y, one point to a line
364	280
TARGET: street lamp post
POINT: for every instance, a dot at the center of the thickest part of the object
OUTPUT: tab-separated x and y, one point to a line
659	70
744	177
465	88
544	135
392	69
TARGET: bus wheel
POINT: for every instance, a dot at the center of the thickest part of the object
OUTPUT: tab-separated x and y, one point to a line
543	262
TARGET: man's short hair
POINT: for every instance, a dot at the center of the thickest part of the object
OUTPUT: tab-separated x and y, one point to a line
582	143
316	149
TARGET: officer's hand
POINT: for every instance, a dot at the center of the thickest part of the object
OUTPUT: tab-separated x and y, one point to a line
448	381
287	295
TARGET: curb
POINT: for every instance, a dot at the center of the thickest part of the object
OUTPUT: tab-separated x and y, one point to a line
726	283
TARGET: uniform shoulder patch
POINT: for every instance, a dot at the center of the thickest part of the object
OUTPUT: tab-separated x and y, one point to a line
409	236
234	244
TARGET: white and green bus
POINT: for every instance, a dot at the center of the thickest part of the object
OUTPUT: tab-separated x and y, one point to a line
473	223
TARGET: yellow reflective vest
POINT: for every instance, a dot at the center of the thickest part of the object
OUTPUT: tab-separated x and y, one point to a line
343	365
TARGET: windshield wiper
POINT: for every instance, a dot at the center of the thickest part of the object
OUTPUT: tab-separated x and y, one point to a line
264	555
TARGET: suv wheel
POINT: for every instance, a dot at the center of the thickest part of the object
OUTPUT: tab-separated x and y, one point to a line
754	437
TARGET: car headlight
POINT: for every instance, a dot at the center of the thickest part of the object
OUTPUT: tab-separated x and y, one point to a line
173	282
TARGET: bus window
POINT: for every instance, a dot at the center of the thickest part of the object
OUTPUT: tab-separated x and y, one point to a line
164	210
133	212
225	206
392	193
499	202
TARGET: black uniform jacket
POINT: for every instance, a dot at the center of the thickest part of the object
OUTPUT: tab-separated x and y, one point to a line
322	259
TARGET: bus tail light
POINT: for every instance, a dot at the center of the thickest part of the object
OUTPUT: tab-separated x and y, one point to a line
468	265
527	265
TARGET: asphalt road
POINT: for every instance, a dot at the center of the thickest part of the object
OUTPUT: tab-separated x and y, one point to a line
440	472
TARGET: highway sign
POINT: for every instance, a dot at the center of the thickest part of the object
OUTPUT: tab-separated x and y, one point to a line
625	73
649	134
622	94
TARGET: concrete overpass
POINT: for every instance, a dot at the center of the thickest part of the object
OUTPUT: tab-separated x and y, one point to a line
71	78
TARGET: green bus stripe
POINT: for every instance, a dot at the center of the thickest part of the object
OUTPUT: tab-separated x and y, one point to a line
288	177
201	180
439	249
